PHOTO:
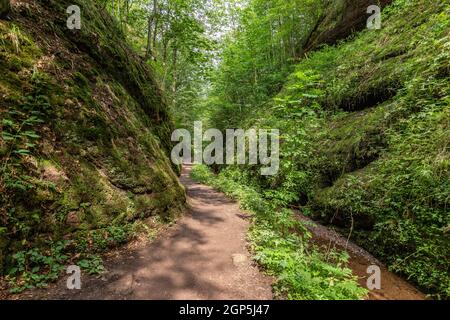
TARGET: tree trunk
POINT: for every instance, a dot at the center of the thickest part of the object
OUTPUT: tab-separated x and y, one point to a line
5	8
155	30
152	16
175	70
148	50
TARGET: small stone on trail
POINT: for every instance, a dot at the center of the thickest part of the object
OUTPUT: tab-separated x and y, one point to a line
239	259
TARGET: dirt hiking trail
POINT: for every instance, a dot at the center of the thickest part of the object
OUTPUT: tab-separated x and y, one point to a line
205	256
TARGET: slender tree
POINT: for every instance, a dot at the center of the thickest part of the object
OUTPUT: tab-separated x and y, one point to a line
5	8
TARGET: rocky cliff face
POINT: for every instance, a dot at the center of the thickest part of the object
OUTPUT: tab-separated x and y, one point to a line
85	135
342	18
367	132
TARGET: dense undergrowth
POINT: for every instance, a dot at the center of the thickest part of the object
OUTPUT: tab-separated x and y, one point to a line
85	136
280	245
365	131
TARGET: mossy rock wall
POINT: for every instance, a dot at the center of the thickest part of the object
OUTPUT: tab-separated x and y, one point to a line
365	146
85	130
341	19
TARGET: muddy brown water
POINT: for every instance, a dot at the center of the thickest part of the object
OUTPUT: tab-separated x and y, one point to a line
393	287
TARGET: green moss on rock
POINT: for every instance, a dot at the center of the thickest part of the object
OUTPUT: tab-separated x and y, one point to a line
95	152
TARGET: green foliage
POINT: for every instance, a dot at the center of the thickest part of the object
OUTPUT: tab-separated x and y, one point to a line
281	246
365	135
258	55
39	265
304	273
35	267
102	239
174	37
19	132
365	132
84	142
92	264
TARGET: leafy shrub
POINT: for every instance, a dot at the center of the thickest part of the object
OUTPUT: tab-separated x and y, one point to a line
280	244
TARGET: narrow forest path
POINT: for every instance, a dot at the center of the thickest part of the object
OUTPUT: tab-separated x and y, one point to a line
203	256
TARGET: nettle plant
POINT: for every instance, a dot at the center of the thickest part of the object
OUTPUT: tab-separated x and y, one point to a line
20	133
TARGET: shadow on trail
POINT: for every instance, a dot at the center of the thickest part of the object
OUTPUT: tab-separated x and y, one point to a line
191	260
